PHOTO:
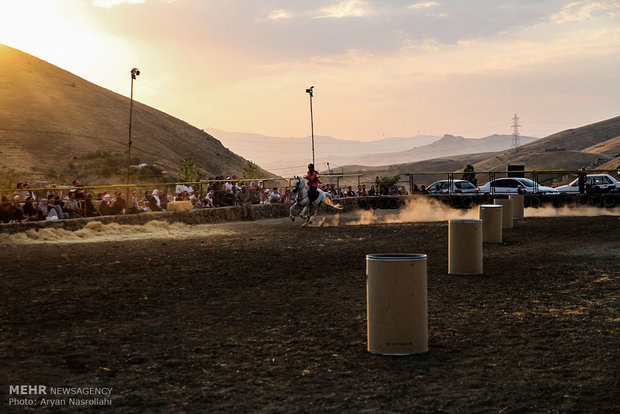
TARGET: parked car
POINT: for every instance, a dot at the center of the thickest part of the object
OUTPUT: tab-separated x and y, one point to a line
515	186
597	183
458	186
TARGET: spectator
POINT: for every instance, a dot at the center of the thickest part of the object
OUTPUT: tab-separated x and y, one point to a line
72	206
89	208
287	195
30	212
18	209
183	188
275	197
42	209
134	209
246	203
350	192
266	199
153	201
105	208
207	201
119	205
6	210
53	203
371	192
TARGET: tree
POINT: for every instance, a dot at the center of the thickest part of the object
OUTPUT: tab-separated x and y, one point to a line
469	174
251	170
190	172
387	182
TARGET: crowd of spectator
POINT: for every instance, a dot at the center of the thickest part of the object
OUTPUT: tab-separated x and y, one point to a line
76	202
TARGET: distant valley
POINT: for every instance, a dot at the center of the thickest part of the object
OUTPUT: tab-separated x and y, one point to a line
286	156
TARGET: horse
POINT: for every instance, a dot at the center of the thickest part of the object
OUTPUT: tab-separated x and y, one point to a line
303	200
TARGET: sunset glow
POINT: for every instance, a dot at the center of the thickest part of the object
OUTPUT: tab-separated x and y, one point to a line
379	68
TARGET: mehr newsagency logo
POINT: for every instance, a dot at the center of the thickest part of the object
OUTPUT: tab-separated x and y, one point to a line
43	395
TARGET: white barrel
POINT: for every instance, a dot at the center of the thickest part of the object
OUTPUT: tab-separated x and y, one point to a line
507	215
397	311
518	206
491	216
465	247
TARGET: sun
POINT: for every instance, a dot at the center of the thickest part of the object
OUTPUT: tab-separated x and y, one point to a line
55	31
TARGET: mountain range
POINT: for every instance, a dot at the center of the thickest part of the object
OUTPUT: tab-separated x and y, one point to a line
287	156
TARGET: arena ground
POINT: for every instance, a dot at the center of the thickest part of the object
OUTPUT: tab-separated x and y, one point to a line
267	317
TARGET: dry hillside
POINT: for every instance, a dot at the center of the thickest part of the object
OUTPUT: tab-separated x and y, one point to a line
570	149
50	120
595	146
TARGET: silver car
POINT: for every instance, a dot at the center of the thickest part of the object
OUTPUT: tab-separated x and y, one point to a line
516	186
458	186
601	183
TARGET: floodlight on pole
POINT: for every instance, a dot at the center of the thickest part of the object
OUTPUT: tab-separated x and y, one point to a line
310	91
134	73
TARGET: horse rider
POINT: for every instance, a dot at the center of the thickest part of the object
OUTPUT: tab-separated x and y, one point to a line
312	179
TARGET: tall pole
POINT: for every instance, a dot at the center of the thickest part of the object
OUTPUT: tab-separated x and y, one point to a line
134	72
311	93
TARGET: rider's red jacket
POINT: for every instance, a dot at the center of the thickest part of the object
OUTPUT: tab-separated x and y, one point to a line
313	179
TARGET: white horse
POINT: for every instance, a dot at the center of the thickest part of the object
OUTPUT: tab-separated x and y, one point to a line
303	200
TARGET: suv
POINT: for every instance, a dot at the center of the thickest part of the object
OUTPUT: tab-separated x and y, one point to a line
515	186
458	186
595	183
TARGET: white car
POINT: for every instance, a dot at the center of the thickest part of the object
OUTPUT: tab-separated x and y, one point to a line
600	183
515	186
458	186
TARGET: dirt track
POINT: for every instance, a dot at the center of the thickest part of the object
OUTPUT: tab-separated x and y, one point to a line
239	320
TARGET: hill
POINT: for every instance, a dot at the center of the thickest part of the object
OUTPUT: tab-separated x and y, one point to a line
448	145
595	146
56	126
583	147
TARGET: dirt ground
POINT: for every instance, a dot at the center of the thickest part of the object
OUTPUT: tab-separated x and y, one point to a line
268	317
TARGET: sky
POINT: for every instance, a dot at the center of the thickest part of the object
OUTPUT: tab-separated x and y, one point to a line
380	68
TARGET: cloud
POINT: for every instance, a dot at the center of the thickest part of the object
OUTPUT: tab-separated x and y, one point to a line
349	8
581	11
279	14
423	5
111	3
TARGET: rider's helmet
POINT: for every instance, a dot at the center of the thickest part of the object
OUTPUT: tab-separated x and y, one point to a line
311	166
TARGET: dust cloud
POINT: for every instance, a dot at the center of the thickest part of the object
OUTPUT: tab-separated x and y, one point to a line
95	231
568	211
415	210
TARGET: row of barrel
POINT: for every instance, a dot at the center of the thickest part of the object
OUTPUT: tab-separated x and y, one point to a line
396	292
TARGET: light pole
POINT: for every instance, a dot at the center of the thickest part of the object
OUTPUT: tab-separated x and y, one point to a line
311	93
134	72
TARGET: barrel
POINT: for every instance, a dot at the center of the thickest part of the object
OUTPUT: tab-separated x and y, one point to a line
396	298
518	206
507	214
491	216
465	247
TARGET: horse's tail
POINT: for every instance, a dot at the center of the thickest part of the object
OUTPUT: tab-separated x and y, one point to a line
329	202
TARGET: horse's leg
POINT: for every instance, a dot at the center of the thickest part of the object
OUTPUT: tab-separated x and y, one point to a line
290	211
309	216
316	212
